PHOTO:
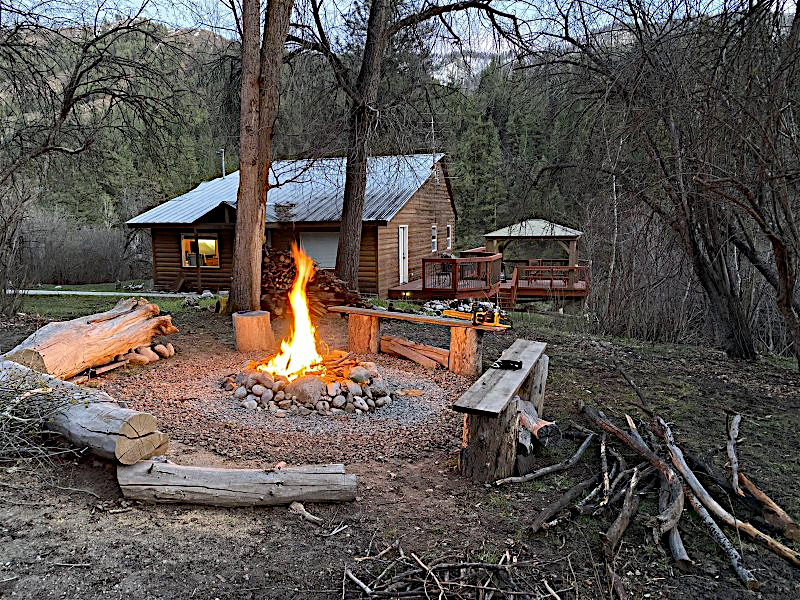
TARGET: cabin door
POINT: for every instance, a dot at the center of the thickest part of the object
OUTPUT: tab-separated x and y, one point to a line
402	243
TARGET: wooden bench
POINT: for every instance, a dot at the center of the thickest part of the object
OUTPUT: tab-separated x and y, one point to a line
501	409
464	358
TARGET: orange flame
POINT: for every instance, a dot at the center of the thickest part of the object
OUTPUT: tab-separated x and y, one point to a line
298	354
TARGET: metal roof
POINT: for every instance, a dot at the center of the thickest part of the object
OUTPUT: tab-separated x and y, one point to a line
535	228
306	191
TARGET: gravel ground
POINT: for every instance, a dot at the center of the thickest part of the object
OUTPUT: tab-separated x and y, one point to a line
184	394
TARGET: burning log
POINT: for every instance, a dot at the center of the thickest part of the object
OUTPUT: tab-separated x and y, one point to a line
165	482
64	349
88	417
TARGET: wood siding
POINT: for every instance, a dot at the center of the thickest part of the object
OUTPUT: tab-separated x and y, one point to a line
430	205
167	264
368	261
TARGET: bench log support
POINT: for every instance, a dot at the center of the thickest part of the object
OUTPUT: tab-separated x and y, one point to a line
363	334
491	445
466	353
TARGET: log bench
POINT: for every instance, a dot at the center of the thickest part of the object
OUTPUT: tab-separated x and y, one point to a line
502	410
363	335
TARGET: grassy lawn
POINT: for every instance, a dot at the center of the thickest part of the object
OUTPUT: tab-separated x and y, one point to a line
62	308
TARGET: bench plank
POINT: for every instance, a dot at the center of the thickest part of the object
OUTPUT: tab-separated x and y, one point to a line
430	320
490	395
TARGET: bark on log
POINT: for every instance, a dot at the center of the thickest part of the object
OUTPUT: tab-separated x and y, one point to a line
363	334
491	445
252	331
676	547
64	349
466	357
151	481
88	417
533	428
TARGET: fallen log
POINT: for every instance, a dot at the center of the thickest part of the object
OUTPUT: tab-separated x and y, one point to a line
64	349
676	547
391	347
533	428
151	481
440	355
87	417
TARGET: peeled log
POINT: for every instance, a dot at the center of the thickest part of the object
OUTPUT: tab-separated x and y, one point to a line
64	349
87	417
151	481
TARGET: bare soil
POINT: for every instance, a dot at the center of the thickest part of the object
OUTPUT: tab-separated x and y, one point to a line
65	531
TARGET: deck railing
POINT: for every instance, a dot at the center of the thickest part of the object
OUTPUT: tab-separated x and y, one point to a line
478	272
556	277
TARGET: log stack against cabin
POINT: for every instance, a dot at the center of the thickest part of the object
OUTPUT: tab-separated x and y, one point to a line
324	289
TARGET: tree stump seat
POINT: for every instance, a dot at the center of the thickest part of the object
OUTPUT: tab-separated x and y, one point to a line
465	355
502	409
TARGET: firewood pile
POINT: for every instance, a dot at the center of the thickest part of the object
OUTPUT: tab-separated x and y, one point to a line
324	289
670	466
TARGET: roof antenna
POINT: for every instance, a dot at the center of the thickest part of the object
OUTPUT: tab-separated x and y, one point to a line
221	152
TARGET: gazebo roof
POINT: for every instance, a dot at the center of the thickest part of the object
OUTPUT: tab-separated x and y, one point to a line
535	229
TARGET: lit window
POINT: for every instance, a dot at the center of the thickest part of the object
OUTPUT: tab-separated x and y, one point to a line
434	241
206	250
449	237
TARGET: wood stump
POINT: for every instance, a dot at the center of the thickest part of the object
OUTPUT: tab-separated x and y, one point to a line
492	445
252	331
151	481
363	334
465	357
64	349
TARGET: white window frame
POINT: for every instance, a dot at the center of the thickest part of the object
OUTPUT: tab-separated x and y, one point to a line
403	260
449	236
201	236
434	239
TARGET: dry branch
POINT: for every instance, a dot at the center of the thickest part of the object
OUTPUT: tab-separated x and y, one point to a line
565	500
562	466
774	514
733	434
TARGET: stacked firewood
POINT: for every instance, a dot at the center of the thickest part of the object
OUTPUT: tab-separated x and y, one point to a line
324	289
670	467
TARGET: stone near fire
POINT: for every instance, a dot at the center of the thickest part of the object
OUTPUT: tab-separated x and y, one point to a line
322	406
366	390
379	387
387	400
264	379
266	396
251	380
279	396
306	388
285	404
359	403
250	404
349	407
339	401
240	393
161	350
259	389
333	389
359	375
371	368
379	403
370	402
170	349
353	388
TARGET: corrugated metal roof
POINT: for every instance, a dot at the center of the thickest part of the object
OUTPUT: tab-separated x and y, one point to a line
307	191
535	228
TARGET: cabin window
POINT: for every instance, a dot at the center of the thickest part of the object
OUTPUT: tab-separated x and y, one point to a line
206	250
449	237
434	241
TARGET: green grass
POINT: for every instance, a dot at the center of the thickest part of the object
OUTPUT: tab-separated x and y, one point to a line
89	287
60	308
398	304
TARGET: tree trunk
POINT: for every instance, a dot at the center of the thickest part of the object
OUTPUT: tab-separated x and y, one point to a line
246	283
64	349
151	481
362	116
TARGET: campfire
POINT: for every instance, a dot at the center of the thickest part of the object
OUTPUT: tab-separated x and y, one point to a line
299	379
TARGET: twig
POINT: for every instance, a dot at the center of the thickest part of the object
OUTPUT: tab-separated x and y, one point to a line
550	590
81	565
71	489
562	466
430	573
604	467
349	574
569	497
733	433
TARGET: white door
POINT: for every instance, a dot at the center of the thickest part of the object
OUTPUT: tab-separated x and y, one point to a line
402	243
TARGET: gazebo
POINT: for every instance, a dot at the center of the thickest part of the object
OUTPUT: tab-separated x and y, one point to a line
568	277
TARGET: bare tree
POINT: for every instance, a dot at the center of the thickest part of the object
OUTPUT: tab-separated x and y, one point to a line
262	56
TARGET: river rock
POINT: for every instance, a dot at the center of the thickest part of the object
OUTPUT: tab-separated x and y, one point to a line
339	401
259	389
333	389
353	388
387	400
359	403
379	387
161	350
370	402
264	379
359	375
240	393
267	395
285	404
371	368
279	396
379	403
249	403
367	391
349	407
306	388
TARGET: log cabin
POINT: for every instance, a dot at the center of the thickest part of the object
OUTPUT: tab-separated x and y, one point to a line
409	214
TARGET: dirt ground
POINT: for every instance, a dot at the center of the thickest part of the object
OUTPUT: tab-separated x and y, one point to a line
65	531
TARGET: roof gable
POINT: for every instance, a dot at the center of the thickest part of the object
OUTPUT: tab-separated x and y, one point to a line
306	191
535	229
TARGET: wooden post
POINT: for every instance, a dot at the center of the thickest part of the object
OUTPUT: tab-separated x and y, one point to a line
538	383
363	334
492	450
466	355
252	331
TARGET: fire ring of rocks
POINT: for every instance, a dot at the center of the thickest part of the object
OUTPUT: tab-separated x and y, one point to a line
347	387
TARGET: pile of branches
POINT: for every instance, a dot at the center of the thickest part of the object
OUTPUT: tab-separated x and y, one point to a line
324	289
26	404
674	469
401	575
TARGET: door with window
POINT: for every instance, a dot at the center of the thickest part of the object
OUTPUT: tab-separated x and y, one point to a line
402	243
